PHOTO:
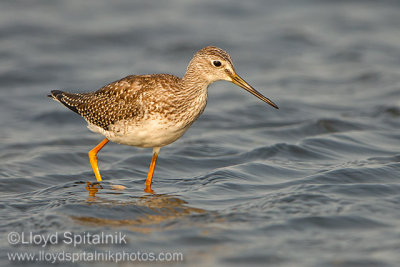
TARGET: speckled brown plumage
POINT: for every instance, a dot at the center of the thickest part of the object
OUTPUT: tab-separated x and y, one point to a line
131	97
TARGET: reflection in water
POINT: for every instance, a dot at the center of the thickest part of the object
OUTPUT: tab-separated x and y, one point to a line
153	210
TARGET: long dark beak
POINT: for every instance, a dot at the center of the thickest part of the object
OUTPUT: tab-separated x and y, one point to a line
242	83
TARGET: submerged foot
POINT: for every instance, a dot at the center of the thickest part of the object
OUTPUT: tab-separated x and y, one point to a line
93	188
148	189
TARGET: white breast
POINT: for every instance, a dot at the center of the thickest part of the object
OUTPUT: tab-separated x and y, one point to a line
152	133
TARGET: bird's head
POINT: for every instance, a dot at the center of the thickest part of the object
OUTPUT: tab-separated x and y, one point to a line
213	64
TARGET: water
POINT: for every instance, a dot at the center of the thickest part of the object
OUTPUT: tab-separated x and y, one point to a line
315	183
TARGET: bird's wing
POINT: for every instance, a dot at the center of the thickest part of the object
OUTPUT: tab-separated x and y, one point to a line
119	100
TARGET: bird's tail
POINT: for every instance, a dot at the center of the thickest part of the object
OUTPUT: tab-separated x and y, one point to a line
63	98
56	95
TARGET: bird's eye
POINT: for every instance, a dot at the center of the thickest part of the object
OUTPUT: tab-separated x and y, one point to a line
217	63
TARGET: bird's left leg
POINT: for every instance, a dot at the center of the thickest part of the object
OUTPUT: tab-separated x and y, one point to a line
93	158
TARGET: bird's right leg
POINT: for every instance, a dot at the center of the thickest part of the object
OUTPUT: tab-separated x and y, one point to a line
149	179
93	158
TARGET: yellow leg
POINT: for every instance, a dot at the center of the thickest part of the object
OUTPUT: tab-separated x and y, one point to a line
93	158
148	189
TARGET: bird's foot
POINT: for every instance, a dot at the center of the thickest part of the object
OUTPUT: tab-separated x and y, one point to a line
93	188
148	189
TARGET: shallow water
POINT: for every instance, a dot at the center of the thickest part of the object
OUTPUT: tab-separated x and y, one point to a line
315	183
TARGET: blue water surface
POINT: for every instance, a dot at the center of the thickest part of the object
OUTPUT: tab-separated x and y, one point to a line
315	183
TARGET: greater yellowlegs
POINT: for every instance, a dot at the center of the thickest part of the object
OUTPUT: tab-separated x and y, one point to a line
152	110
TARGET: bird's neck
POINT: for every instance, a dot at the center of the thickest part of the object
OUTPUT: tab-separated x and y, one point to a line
193	81
193	84
191	97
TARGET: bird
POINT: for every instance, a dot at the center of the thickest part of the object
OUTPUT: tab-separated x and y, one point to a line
153	110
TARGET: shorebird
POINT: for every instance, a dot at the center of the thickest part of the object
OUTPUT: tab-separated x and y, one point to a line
152	111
